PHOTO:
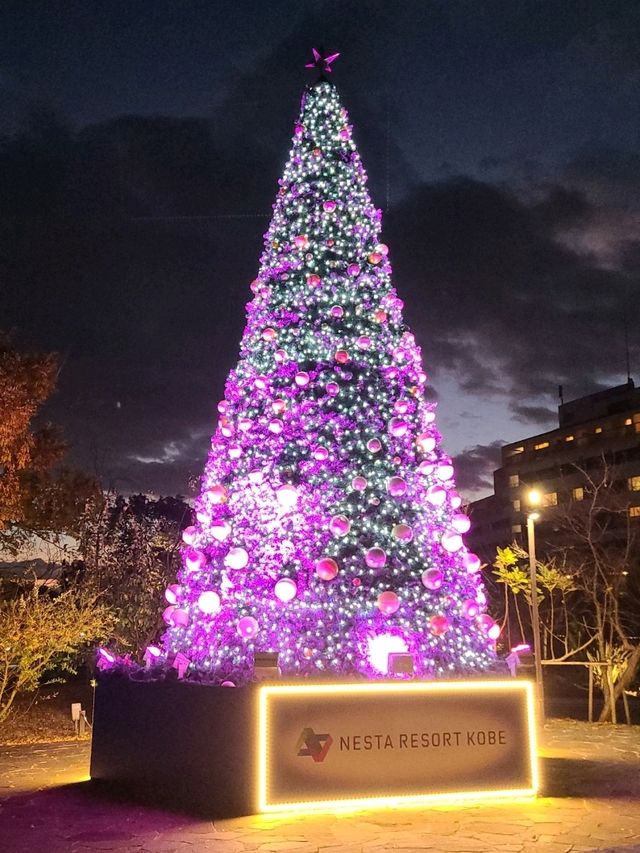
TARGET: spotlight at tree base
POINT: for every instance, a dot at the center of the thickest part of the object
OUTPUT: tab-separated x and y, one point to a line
381	646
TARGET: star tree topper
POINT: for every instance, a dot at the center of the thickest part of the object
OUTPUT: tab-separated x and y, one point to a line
322	63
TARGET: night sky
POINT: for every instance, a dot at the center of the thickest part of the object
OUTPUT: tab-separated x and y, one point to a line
141	146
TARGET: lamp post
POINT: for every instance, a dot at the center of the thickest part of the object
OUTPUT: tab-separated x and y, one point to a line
534	499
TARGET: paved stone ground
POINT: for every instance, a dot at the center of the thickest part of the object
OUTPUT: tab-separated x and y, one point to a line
590	802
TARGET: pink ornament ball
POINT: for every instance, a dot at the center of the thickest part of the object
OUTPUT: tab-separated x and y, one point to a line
339	525
494	632
342	356
269	334
402	532
398	427
359	484
337	311
172	593
247	627
209	601
470	608
189	535
461	522
353	270
279	406
374	258
326	568
216	494
375	558
220	530
227	684
396	487
302	378
235	451
383	249
237	558
451	541
285	589
260	382
180	618
280	356
455	500
436	495
472	563
425	468
438	625
276	426
374	445
244	424
429	417
313	280
380	316
364	342
444	471
388	603
320	453
425	442
329	206
401	407
223	406
194	560
301	241
167	614
432	579
332	389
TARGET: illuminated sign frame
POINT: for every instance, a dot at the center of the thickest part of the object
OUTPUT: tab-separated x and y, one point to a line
373	688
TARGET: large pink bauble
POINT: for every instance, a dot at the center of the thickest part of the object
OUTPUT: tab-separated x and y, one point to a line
326	568
470	608
359	484
488	626
364	342
401	407
383	249
438	625
342	356
396	487
237	558
269	334
220	530
313	280
388	603
302	378
320	453
451	541
429	417
329	206
444	471
398	427
353	269
276	426
374	258
301	241
287	496
436	495
260	382
203	516
279	406
172	593
244	424
235	451
247	627
179	618
455	500
472	563
339	525
167	614
425	467
189	535
402	532
494	631
374	445
425	442
337	311
332	388
432	578
194	560
375	558
285	589
217	494
461	522
280	356
209	601
223	406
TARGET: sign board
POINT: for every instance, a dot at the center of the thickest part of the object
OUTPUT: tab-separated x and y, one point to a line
367	743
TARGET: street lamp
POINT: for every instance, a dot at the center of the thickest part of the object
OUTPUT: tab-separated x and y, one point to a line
534	499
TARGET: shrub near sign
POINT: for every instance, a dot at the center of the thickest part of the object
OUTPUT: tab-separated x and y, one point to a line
328	744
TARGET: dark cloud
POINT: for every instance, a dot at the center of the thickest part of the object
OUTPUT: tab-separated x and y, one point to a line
539	415
475	466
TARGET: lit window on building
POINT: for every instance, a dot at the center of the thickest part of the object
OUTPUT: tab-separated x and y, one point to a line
514	480
568	437
549	499
517	528
628	422
541	446
634	512
516	506
578	493
636	422
517	450
634	484
598	430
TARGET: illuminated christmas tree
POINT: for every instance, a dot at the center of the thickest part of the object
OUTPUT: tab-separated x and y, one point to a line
328	527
